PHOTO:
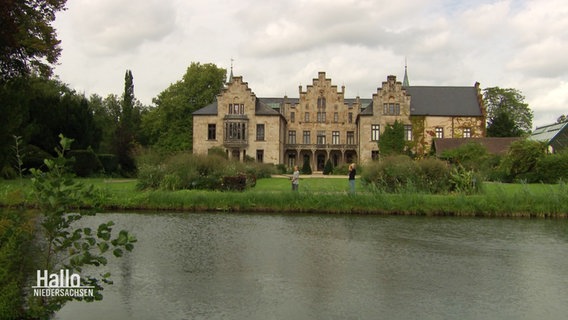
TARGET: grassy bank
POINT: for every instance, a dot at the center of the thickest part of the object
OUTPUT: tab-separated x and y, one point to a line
323	195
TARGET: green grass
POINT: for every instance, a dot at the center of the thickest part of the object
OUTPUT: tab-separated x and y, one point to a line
324	195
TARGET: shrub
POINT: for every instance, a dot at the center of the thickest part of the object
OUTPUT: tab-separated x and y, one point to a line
552	168
328	169
109	163
306	168
434	175
86	162
520	162
402	174
188	171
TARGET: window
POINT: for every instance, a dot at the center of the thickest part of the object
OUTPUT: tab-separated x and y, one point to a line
439	132
307	137
375	132
259	155
375	155
292	137
335	137
408	132
292	117
335	117
391	109
235	131
350	117
321	103
236	108
321	117
350	137
321	137
467	132
211	131
260	132
307	117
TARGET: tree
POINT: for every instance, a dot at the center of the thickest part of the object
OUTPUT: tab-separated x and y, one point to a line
169	126
61	200
391	141
501	125
28	41
562	118
306	168
328	169
127	124
500	101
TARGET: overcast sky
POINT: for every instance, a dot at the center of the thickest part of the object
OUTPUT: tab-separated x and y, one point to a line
279	45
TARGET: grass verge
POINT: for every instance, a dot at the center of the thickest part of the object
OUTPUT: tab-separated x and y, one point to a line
322	195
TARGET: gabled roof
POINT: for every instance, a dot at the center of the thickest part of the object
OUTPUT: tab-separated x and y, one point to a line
208	110
444	101
261	109
493	145
549	132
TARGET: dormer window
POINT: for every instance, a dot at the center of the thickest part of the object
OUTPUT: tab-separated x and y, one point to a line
236	108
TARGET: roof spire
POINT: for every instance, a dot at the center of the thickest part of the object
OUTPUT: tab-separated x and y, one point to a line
231	74
405	82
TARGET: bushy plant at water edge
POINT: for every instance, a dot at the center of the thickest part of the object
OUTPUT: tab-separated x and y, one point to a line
62	201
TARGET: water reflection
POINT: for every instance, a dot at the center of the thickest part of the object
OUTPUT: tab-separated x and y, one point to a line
241	266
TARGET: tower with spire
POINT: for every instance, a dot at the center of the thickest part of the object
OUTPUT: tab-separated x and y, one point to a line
405	82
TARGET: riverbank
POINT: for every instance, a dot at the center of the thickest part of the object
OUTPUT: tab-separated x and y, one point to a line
320	195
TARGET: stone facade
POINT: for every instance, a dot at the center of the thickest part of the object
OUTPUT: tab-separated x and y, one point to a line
321	124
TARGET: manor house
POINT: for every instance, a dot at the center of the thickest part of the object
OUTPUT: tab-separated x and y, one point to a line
323	124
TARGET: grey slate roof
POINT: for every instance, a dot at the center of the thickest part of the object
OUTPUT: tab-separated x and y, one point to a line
443	101
261	109
549	132
425	101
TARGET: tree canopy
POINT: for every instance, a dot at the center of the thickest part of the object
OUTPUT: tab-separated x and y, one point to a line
28	41
169	125
507	112
392	139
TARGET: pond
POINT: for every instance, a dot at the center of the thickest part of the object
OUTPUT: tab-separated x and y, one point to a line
289	266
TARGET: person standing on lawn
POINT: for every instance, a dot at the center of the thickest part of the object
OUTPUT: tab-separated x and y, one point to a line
296	178
352	173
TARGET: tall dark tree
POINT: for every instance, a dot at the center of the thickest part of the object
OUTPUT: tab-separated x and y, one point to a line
124	136
169	125
500	101
392	140
501	125
28	41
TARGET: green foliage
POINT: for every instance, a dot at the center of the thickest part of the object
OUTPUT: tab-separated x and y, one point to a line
402	174
475	157
328	169
16	234
169	125
502	125
507	111
465	181
85	162
187	171
306	168
553	168
28	40
109	163
392	139
57	194
521	160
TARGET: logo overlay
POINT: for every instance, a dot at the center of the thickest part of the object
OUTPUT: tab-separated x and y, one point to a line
62	284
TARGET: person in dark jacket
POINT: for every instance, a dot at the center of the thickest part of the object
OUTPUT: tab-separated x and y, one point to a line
352	173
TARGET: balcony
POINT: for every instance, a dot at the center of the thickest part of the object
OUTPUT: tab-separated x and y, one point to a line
317	146
235	143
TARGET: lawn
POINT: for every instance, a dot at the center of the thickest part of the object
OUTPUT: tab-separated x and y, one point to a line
321	195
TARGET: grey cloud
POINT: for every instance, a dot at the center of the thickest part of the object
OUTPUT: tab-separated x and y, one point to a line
115	26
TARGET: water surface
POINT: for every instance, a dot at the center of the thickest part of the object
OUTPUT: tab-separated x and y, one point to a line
272	266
